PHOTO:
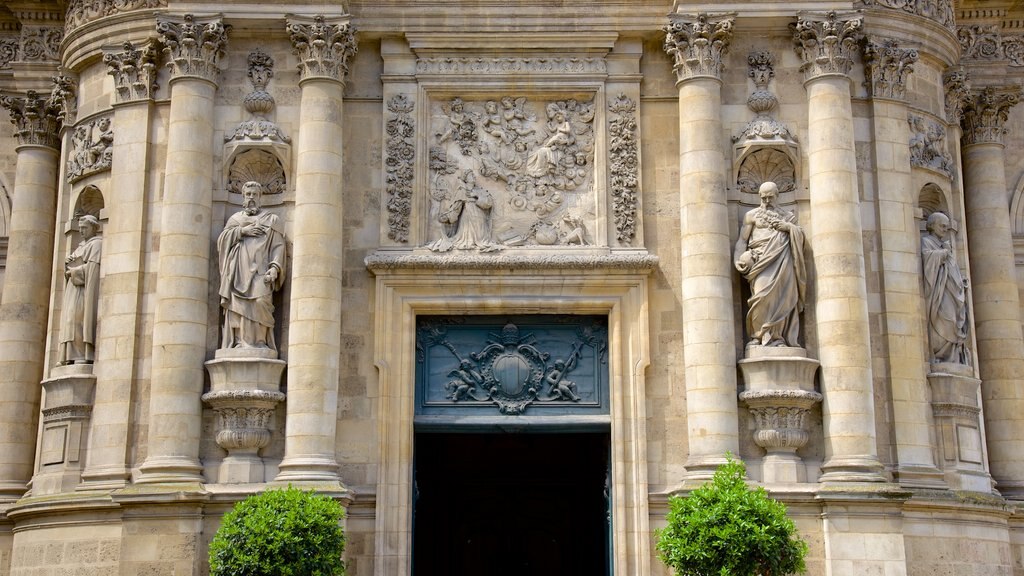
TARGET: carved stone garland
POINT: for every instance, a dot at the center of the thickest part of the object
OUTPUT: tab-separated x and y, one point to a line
625	166
400	156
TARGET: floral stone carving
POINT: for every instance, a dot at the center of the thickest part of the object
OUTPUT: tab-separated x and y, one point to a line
625	166
398	163
524	170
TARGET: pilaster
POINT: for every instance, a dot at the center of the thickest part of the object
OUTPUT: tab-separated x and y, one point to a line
995	292
25	303
827	44
697	44
194	51
314	336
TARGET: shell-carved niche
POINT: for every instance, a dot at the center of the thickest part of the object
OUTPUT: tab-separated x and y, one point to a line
511	171
765	165
256	165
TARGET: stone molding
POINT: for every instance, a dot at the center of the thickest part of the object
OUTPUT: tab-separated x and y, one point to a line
940	11
698	44
134	70
928	145
500	66
957	88
826	43
82	12
631	262
985	114
194	48
888	66
324	48
624	166
36	119
400	150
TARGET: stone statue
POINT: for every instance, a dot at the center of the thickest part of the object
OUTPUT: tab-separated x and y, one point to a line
468	218
770	255
252	265
81	296
945	291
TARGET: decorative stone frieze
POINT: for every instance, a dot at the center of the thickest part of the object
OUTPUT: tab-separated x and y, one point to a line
384	261
957	88
134	71
499	66
985	114
400	155
36	119
323	48
91	148
928	145
40	43
624	161
987	42
193	48
826	43
940	11
81	12
697	43
8	51
888	67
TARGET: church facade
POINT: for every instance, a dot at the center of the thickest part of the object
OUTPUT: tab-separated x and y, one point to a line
502	277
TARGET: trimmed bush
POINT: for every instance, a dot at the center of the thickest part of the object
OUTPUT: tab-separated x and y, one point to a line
724	528
284	532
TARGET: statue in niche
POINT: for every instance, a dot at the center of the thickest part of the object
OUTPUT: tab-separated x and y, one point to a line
770	255
945	291
81	296
252	257
467	219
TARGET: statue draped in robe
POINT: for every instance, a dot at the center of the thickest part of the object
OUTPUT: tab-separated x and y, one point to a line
81	296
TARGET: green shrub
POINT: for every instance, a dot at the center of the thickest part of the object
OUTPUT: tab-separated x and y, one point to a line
724	528
284	532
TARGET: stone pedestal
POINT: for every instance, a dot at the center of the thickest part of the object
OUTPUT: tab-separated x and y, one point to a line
958	427
779	394
244	392
67	409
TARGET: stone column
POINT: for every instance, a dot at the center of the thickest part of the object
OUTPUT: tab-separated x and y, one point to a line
887	68
195	50
26	295
314	334
826	43
996	300
697	44
117	352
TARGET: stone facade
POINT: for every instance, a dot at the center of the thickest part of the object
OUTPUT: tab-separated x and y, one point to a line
507	160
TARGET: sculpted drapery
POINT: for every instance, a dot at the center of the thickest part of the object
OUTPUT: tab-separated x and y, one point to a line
81	296
945	294
770	255
252	263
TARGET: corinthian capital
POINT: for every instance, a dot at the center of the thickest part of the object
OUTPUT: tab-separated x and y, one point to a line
134	71
958	92
985	114
697	44
194	49
826	43
888	67
36	119
324	49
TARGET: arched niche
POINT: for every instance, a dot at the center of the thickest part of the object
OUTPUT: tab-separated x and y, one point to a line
932	198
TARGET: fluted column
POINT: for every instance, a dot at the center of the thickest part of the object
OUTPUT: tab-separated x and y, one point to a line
117	348
826	43
195	50
996	300
314	334
887	68
697	44
26	295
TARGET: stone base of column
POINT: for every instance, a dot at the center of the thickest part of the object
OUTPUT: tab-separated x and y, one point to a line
67	408
245	386
958	426
312	468
170	470
111	478
701	468
865	468
780	394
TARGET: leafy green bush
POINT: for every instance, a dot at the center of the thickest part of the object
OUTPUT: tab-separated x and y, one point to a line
726	529
284	532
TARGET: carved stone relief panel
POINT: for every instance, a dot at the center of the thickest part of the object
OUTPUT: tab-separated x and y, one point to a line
928	145
511	170
91	148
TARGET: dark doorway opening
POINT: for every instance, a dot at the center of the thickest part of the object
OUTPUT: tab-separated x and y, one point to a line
503	504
